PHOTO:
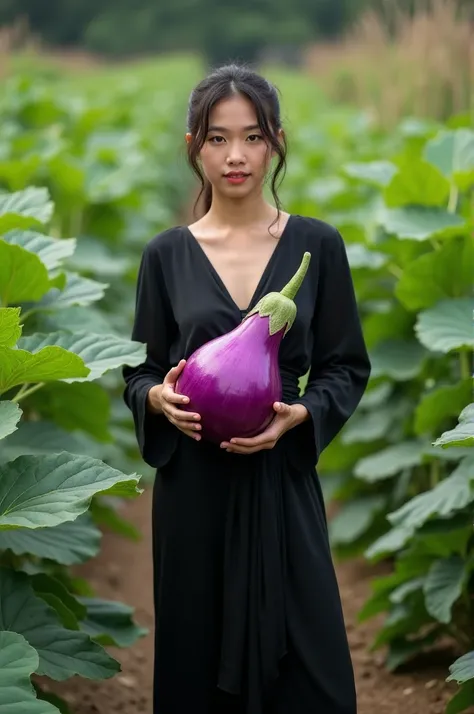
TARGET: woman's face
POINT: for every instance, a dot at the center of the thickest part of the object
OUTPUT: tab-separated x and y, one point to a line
235	156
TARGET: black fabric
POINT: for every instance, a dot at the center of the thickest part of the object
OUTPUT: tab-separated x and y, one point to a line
248	614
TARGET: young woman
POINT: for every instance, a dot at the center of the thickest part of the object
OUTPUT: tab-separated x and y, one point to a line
248	614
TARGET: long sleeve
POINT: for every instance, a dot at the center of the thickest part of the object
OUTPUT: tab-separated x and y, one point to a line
340	366
154	326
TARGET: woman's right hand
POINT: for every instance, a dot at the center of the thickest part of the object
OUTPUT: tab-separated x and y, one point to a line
168	399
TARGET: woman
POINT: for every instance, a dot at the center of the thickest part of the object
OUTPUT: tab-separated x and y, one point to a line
248	615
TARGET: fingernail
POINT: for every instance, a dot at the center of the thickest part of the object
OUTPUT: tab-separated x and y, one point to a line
197	437
185	399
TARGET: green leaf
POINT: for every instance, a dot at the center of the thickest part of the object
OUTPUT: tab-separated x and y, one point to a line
44	491
419	223
107	515
401	360
443	273
62	653
376	396
69	543
10	415
449	496
99	352
77	291
24	209
390	461
360	256
81	406
462	670
377	173
443	586
110	623
462	434
403	649
46	365
23	277
10	328
462	700
441	403
18	661
417	183
51	251
94	256
354	518
44	584
446	326
453	153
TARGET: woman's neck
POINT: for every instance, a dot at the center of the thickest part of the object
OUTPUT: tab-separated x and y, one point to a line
252	210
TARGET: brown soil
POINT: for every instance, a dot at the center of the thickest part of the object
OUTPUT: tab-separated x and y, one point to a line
123	571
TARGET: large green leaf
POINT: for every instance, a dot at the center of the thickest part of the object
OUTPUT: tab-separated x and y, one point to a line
462	700
443	586
399	359
10	328
360	256
449	496
417	183
69	543
44	491
77	291
10	415
18	661
354	518
24	209
68	609
99	352
446	326
51	251
46	365
453	153
390	461
419	223
440	274
378	173
23	277
462	434
440	404
462	669
94	256
62	652
110	623
80	405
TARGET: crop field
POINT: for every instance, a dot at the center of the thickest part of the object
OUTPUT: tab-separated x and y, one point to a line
91	167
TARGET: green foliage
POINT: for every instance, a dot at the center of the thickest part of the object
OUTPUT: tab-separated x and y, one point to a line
78	199
408	224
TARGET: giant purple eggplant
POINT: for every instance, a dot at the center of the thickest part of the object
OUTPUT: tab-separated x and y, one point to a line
233	380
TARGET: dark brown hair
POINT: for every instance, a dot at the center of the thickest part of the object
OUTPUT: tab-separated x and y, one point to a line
223	83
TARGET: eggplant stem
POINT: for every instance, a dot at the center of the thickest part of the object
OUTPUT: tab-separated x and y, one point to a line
292	287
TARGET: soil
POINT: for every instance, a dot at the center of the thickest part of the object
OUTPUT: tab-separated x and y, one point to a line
123	571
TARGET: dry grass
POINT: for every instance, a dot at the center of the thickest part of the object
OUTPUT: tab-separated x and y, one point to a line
399	65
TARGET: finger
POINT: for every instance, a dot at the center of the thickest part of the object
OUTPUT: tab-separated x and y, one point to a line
181	416
267	436
192	435
173	397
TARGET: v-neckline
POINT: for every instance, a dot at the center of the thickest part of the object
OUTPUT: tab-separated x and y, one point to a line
215	273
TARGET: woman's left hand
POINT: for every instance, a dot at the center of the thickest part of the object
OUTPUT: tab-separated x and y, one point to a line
287	416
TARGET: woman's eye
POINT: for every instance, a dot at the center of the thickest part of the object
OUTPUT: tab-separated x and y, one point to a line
216	139
254	137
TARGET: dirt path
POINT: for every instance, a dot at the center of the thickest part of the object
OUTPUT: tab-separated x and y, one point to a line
123	571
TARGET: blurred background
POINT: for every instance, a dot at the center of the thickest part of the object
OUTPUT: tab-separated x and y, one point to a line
378	105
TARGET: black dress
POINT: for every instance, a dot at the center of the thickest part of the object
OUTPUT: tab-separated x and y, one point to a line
247	609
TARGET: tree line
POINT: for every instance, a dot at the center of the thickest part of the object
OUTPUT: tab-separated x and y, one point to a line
218	30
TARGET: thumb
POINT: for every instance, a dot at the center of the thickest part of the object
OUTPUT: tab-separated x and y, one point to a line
174	372
281	408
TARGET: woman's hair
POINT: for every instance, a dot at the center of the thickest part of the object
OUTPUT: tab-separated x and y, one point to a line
222	83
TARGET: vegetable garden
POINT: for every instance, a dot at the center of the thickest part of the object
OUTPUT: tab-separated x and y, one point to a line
89	172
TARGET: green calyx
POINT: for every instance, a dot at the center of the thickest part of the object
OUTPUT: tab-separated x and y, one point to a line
280	307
